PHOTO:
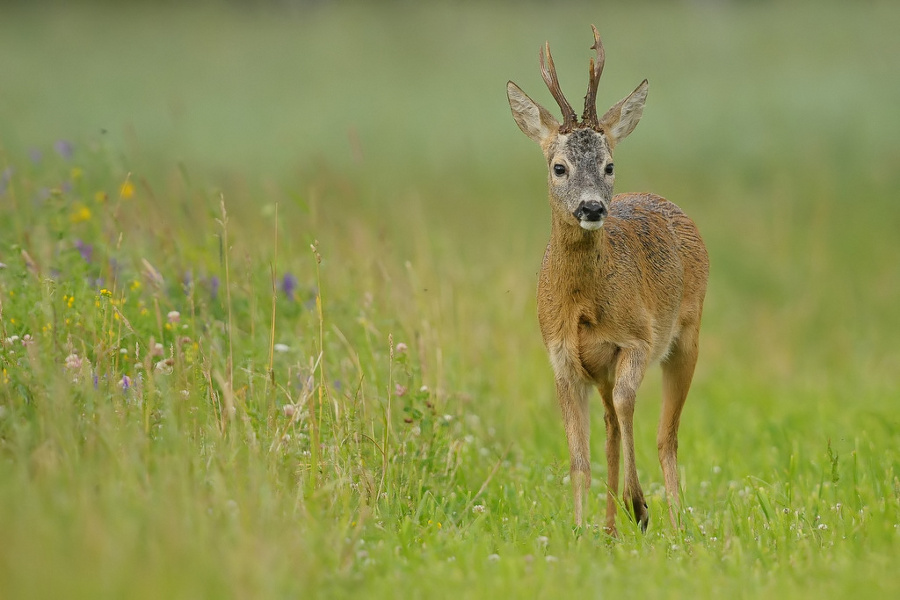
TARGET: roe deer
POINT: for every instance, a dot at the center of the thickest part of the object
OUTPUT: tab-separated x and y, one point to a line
621	286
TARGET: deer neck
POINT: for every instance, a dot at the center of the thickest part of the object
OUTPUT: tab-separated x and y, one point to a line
575	257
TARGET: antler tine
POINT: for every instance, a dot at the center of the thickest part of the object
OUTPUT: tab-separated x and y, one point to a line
589	116
548	72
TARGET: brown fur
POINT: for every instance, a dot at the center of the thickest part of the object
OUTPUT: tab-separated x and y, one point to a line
615	299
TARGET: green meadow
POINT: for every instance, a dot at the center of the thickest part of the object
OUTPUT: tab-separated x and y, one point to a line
267	301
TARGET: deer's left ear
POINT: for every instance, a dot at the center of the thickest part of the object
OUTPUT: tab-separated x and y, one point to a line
534	120
621	119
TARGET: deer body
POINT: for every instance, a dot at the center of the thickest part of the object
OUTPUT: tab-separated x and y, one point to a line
621	287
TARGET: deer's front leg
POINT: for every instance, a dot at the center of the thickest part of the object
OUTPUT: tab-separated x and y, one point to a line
573	401
629	373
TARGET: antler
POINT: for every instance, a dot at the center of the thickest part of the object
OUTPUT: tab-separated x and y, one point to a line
548	72
589	116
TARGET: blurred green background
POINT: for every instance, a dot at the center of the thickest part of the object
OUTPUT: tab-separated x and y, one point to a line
383	131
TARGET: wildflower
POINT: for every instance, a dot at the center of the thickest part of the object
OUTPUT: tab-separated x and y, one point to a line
187	281
493	557
478	509
27	340
399	390
401	348
543	540
5	176
157	350
12	339
85	250
64	148
214	287
551	559
135	285
74	362
105	293
80	213
288	410
174	316
281	348
127	190
125	382
100	197
289	286
2	265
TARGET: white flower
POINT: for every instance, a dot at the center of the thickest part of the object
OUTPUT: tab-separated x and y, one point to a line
493	557
401	348
174	316
543	541
281	348
478	508
74	362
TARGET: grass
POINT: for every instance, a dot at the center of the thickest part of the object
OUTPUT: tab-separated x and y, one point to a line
281	334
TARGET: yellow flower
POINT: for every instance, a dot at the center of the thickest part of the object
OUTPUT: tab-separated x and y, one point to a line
135	285
105	292
100	197
76	173
127	190
80	213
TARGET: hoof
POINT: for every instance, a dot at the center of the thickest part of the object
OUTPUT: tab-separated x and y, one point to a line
641	513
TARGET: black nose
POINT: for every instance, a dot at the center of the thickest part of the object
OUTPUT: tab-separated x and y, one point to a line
591	211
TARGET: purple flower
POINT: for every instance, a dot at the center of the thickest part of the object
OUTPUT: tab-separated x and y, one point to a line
187	281
85	250
125	382
289	286
64	148
35	155
214	286
115	269
5	176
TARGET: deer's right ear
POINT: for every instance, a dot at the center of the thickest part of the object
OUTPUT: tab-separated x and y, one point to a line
534	120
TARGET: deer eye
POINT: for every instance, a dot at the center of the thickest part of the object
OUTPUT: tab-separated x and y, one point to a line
559	169
609	169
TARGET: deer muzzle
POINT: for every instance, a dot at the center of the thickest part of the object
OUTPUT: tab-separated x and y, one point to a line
591	214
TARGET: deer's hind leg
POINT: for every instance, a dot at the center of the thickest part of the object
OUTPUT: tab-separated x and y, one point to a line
630	369
677	371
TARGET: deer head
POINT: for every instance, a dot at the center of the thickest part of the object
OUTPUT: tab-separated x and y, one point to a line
579	155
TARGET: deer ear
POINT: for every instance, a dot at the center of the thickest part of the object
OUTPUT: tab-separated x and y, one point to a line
621	119
534	120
